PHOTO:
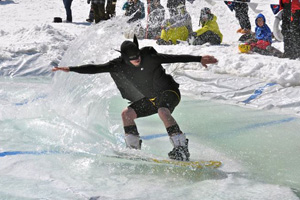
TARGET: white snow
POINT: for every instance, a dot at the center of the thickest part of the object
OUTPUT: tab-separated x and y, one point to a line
31	44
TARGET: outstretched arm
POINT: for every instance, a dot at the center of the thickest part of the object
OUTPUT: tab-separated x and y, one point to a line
65	69
91	68
167	58
208	60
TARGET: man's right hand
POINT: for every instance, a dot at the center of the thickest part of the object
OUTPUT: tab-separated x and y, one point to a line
65	69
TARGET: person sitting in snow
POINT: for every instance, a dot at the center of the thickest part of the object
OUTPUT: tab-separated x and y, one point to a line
135	9
261	42
176	28
209	33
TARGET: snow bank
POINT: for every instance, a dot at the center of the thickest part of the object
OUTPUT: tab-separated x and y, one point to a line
30	45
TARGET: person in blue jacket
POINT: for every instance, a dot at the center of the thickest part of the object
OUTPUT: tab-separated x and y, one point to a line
262	41
263	35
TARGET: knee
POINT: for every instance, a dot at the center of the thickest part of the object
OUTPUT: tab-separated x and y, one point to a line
164	113
128	113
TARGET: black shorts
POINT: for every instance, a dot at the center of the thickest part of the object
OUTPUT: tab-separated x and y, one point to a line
167	99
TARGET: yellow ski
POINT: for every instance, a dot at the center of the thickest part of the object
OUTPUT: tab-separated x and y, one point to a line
212	164
194	164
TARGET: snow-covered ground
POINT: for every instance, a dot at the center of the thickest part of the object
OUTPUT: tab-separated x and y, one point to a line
56	130
31	44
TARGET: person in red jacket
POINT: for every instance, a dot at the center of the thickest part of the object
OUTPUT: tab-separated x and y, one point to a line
285	5
295	29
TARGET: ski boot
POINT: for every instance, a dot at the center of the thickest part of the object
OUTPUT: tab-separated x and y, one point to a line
133	141
180	150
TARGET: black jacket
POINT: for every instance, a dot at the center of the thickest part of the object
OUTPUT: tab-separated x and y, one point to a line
147	80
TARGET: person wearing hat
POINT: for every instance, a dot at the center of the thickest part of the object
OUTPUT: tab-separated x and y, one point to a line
209	32
141	79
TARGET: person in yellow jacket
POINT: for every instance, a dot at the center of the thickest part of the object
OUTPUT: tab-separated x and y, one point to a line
176	28
209	33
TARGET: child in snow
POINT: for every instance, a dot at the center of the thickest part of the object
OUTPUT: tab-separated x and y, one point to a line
262	41
209	33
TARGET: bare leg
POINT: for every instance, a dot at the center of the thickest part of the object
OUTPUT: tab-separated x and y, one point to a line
166	117
132	137
177	138
128	117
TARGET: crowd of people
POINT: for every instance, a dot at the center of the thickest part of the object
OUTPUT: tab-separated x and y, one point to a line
178	27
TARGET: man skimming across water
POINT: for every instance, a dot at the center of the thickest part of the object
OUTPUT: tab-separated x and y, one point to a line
142	80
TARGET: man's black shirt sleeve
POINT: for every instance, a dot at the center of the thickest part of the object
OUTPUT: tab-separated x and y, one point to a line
168	58
94	69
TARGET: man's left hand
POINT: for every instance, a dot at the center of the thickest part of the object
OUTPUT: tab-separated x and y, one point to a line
208	60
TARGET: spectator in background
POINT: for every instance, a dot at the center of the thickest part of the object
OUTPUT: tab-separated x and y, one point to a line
176	28
98	8
241	13
209	32
263	34
153	26
172	6
91	16
111	8
109	13
261	42
295	29
135	9
156	17
67	4
286	26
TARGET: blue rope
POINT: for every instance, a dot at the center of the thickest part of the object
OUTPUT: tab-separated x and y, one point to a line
258	92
